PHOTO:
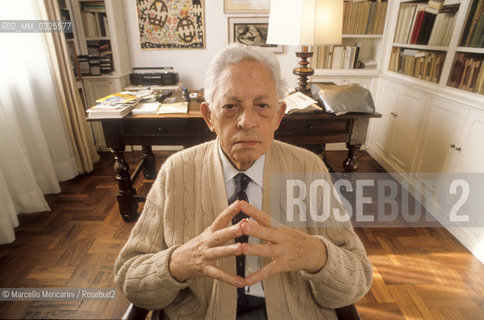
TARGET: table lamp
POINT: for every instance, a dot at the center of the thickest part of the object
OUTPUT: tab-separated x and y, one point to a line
305	23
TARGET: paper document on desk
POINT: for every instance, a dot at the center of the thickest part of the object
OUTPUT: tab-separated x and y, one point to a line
298	102
177	107
146	108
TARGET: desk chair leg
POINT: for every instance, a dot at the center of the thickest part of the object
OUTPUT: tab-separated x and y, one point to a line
135	313
347	313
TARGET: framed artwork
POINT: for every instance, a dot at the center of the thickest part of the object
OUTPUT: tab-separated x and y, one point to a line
247	6
251	31
171	24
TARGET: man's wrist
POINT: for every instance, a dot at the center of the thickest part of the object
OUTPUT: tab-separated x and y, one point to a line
176	270
321	259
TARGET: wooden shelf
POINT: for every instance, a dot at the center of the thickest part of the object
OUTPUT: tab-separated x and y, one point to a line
470	50
419	47
363	36
344	72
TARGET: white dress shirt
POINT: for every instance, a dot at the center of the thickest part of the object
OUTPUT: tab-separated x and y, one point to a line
254	194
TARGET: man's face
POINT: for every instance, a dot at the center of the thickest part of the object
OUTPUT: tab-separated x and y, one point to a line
245	112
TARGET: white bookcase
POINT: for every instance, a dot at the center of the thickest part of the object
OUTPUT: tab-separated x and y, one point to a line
429	127
369	41
448	51
110	31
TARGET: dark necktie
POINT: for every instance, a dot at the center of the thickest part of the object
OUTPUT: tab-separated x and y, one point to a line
241	182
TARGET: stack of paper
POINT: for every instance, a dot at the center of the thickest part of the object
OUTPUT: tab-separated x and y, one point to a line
177	107
146	108
116	105
109	111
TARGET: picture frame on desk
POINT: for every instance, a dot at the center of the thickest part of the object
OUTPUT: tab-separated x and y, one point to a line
251	31
247	6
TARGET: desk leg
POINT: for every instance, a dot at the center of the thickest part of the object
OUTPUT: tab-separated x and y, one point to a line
128	206
351	162
149	165
359	128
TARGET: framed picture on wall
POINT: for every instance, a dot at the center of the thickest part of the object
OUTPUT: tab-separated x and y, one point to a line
251	31
247	6
171	24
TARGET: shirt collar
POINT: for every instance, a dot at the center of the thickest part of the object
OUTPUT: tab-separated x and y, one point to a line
255	172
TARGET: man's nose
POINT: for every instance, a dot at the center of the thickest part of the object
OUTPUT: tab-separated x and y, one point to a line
247	118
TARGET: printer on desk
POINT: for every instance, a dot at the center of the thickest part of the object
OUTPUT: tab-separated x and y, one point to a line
158	76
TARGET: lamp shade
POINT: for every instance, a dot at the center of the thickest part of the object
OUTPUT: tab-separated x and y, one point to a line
305	22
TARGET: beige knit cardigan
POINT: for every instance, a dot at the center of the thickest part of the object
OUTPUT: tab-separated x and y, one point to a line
186	197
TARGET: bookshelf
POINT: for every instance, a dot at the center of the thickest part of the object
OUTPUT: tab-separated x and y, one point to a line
360	51
439	42
65	10
467	72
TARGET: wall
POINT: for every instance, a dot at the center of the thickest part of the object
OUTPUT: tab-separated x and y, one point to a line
192	63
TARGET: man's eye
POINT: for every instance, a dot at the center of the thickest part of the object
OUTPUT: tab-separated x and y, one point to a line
228	107
263	106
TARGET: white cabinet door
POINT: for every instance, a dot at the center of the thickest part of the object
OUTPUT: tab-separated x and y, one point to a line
408	115
442	129
385	104
469	158
469	151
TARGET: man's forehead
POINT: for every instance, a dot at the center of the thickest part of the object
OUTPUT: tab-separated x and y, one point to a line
235	79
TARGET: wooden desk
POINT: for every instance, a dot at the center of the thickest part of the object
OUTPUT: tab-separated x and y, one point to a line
311	131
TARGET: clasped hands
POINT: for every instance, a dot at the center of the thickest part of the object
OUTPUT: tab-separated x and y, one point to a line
289	249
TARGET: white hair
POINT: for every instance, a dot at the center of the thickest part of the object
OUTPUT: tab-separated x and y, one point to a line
235	53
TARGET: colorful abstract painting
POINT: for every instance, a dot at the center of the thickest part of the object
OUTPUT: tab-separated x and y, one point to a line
167	24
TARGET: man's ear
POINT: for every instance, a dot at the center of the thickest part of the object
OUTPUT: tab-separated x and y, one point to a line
280	113
207	115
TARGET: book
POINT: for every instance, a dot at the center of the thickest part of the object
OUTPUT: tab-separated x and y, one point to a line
368	63
479	87
428	21
476	36
298	102
472	21
338	57
417	26
436	4
348	56
106	111
118	98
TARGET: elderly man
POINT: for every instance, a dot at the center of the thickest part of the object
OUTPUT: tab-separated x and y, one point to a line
205	245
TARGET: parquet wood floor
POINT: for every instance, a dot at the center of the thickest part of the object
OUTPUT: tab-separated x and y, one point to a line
418	273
